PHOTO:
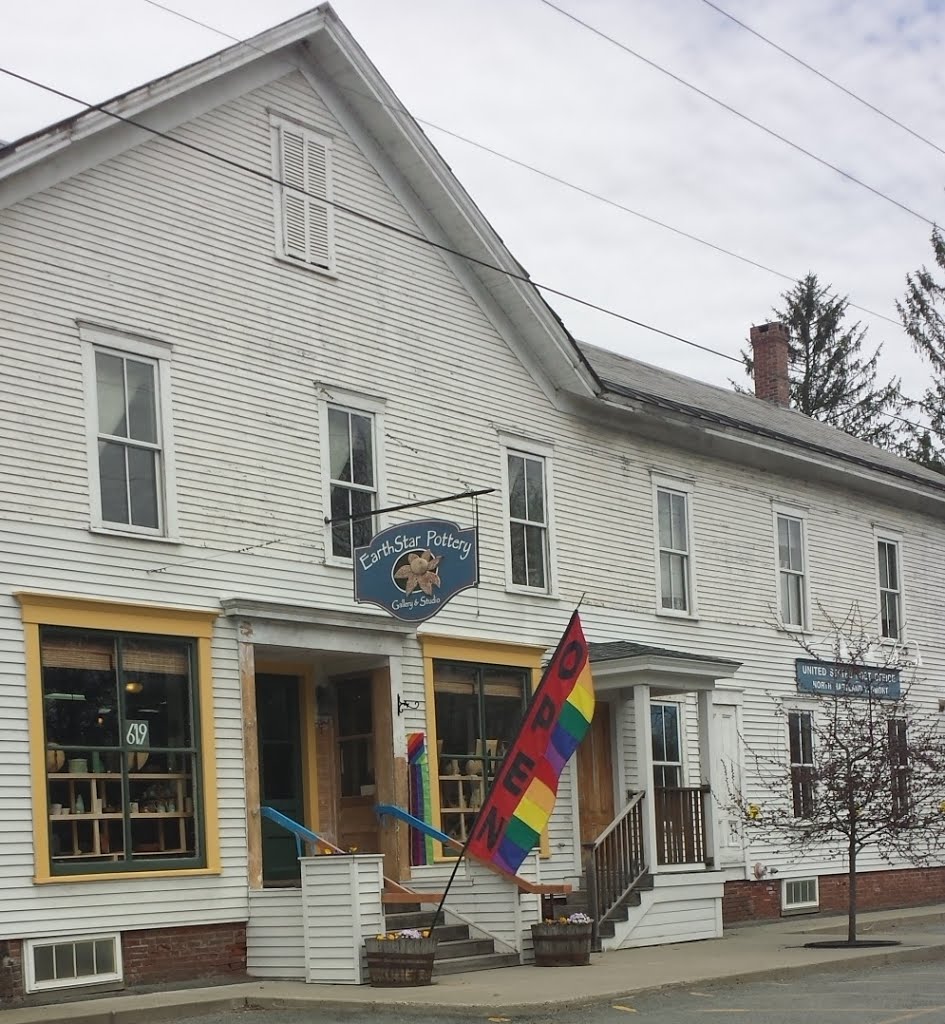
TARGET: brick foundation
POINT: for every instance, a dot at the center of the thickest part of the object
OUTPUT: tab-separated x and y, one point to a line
876	890
158	956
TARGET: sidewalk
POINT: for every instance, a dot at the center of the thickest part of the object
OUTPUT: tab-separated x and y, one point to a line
750	952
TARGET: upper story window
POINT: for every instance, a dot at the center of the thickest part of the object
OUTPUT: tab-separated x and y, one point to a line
304	214
127	381
528	520
801	748
890	589
792	571
675	573
352	478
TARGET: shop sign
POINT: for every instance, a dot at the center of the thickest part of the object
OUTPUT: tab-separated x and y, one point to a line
413	570
832	679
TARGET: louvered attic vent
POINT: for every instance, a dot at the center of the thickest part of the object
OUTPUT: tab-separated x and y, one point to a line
305	218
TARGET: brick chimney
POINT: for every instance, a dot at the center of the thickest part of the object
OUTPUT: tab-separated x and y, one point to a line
769	344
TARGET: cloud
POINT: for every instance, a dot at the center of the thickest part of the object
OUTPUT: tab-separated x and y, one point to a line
523	79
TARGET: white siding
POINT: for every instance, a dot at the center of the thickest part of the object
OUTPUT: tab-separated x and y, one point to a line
275	942
163	242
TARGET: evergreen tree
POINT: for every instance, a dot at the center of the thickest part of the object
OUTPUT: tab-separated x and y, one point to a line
923	316
832	378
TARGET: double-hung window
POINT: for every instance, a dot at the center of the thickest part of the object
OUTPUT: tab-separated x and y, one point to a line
801	749
890	589
304	210
667	749
672	513
352	478
127	382
792	571
528	520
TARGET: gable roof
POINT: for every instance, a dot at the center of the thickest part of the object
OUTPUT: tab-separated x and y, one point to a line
318	44
631	378
349	82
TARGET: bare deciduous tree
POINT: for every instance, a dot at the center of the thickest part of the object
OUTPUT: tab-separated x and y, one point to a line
865	766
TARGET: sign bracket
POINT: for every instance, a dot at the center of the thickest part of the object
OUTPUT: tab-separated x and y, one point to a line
353	517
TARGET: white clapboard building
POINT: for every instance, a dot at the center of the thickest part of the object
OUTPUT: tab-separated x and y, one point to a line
236	312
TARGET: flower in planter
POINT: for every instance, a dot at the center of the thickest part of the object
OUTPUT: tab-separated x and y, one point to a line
576	918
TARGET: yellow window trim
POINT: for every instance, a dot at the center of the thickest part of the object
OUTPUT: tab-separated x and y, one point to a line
39	609
485	652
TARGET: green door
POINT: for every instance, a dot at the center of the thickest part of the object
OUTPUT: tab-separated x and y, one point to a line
280	773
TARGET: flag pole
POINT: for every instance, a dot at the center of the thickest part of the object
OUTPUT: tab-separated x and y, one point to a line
472	829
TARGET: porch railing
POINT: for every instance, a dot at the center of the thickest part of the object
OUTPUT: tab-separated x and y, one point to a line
615	862
681	825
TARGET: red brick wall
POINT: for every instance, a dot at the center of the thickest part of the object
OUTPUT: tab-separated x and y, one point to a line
876	890
153	957
184	954
11	971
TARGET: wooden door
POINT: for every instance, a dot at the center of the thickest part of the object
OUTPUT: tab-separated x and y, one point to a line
595	768
280	772
357	784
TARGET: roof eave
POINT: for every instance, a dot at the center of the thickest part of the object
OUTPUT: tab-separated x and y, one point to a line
742	442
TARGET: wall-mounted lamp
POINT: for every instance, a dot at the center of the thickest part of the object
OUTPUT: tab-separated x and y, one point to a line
406	705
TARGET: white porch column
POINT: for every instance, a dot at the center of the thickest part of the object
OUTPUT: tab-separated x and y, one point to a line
644	743
710	774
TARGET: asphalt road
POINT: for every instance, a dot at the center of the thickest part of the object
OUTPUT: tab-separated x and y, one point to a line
907	994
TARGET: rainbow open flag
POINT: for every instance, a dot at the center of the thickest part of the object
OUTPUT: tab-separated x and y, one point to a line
521	799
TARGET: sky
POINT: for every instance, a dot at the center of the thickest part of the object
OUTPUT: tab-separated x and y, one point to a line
521	78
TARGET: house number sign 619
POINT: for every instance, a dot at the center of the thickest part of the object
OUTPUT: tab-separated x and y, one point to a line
137	734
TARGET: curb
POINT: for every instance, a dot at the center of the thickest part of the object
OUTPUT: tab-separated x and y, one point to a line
178	1006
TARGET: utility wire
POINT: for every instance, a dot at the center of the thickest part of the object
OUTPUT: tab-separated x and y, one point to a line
377	222
369	218
803	63
548	175
737	113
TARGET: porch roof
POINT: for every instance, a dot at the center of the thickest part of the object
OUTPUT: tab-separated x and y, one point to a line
619	663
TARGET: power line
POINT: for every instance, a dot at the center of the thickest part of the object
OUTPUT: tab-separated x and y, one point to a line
384	225
369	218
548	175
821	75
737	113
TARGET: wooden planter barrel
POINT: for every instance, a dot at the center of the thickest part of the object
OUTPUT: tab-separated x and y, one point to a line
562	945
399	963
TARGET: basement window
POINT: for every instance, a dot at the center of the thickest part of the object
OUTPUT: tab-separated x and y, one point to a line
72	962
799	896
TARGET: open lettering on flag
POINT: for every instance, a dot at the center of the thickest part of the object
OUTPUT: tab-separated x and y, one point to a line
521	799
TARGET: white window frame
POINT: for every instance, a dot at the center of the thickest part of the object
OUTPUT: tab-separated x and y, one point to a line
788	512
277	122
673	485
123	344
895	539
29	964
511	444
360	405
806	905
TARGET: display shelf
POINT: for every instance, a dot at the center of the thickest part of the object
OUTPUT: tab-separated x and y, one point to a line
96	833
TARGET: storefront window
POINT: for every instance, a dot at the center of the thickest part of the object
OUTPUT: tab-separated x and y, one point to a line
478	712
122	755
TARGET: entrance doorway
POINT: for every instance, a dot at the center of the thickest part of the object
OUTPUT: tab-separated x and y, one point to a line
349	709
280	773
595	771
